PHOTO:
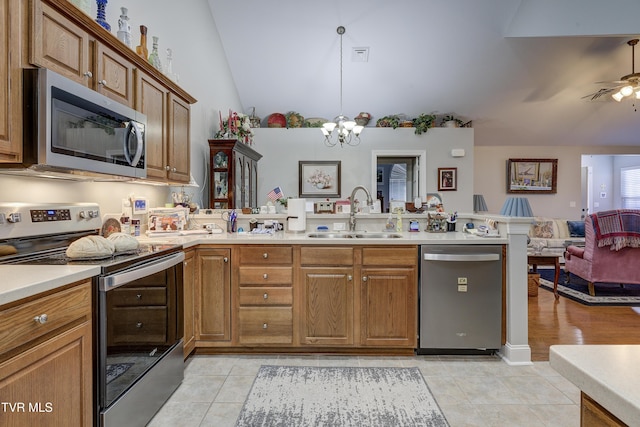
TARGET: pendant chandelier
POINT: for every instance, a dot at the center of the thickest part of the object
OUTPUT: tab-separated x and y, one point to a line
347	131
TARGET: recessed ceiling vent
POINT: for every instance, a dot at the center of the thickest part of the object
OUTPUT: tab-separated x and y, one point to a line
360	54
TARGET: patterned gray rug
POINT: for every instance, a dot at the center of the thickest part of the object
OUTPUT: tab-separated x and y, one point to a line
327	396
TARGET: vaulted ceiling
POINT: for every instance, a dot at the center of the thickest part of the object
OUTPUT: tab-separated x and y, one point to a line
518	69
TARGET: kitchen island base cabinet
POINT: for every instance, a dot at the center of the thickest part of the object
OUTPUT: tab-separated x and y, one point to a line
46	367
213	295
188	286
592	414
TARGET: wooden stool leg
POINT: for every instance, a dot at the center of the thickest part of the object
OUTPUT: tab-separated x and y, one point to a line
592	289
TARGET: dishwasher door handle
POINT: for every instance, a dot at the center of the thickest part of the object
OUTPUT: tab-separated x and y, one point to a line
461	257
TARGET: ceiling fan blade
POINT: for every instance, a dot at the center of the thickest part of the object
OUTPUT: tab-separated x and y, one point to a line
600	93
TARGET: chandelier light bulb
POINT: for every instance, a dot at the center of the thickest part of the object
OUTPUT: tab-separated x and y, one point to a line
638	94
626	91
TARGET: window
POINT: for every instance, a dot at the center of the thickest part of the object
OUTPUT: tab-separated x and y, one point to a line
630	187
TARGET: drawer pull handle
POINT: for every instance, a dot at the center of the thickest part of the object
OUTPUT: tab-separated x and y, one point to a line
42	319
265	275
139	325
265	255
265	296
138	296
264	326
225	259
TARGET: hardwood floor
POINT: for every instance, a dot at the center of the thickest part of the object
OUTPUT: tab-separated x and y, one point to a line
567	322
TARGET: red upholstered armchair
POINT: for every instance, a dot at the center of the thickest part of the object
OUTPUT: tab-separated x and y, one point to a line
601	264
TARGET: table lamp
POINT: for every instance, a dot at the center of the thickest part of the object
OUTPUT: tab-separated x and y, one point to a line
479	205
516	206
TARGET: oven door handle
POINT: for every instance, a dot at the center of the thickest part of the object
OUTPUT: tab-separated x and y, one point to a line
113	281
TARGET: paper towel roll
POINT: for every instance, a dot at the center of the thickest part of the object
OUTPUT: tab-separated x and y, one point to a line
297	215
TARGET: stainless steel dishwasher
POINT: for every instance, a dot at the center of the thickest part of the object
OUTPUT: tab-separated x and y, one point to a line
460	299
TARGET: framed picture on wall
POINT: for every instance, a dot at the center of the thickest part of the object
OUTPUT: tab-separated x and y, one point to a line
380	175
532	176
319	178
447	179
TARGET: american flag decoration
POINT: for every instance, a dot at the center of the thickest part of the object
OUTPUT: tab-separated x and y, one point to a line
275	194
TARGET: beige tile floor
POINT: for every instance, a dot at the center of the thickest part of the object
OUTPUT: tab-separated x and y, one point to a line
471	390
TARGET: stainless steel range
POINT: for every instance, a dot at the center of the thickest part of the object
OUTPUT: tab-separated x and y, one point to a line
138	306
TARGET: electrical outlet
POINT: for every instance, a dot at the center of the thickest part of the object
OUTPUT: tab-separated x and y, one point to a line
462	288
126	206
462	280
339	226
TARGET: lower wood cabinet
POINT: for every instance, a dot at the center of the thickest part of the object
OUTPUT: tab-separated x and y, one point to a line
46	369
188	286
592	414
213	294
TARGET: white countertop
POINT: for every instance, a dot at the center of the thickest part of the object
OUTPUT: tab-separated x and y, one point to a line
609	374
21	281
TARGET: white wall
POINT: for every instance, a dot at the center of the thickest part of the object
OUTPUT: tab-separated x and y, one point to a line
283	148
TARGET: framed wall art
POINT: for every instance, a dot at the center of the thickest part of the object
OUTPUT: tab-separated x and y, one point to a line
447	179
319	178
532	176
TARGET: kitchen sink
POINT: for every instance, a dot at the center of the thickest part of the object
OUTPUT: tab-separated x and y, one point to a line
361	235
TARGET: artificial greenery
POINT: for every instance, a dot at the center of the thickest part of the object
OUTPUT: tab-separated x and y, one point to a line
392	121
423	122
450	118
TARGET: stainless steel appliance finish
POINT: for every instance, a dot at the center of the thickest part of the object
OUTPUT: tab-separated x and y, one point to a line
138	312
460	299
74	128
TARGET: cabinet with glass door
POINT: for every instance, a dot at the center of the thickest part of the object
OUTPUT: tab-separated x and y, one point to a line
233	174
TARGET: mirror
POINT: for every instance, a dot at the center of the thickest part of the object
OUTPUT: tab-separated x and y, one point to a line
398	175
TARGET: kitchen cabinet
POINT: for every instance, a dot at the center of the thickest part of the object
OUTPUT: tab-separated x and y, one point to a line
61	45
213	295
327	292
233	174
188	286
389	287
11	22
46	358
592	414
265	295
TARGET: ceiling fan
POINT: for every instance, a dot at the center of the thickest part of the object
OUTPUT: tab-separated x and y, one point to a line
627	86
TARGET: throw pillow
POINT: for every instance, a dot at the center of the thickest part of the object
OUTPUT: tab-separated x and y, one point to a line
576	228
543	229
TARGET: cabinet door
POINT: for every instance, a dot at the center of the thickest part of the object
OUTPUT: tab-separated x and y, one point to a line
60	45
151	100
11	79
326	313
238	180
213	297
253	187
388	294
189	272
114	75
53	381
179	140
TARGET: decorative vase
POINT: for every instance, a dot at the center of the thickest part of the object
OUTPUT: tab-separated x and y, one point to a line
154	58
141	49
169	70
124	29
101	18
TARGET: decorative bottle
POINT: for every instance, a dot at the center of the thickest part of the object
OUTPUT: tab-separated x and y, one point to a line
169	67
141	49
154	58
124	28
101	18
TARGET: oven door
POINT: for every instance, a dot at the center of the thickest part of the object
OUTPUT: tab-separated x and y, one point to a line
139	339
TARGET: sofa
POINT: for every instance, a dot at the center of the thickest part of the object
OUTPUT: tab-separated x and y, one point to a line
555	233
601	264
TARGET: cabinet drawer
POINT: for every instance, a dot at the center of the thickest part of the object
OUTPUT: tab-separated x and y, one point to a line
268	325
266	255
390	256
137	325
137	296
266	296
314	255
266	275
18	326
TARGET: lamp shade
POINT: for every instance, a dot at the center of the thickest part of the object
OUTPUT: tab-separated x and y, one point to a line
479	205
516	206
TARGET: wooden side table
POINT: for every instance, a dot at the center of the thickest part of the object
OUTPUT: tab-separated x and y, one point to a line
546	259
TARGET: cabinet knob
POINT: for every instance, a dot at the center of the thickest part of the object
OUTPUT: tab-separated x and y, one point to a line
349	278
138	296
102	82
88	74
42	319
167	168
265	296
173	169
264	326
265	255
139	325
225	259
365	278
265	275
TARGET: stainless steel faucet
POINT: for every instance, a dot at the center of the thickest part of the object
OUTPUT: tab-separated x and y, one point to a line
352	214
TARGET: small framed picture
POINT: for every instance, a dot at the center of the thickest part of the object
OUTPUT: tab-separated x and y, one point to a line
319	178
447	179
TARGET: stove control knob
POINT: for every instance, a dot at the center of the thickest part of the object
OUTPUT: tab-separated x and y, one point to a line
3	218
14	217
83	214
93	214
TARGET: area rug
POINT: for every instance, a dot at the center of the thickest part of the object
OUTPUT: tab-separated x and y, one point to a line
117	369
578	290
331	396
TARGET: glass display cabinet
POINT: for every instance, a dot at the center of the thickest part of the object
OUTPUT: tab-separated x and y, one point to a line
233	174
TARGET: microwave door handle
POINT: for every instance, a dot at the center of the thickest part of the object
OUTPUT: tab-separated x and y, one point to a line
139	146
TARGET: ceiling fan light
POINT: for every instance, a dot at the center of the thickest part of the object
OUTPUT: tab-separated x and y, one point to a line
617	96
626	90
638	93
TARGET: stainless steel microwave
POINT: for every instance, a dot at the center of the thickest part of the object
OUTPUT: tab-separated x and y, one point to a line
70	127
